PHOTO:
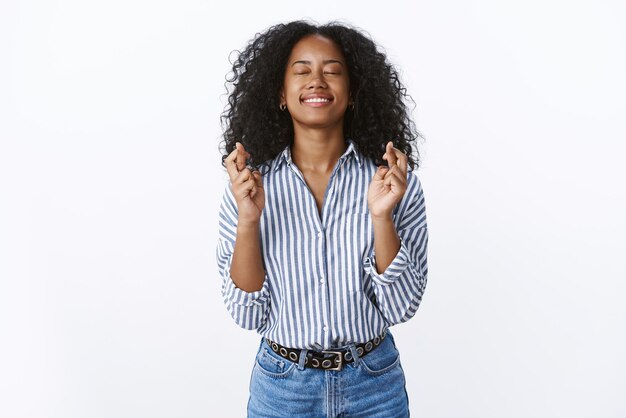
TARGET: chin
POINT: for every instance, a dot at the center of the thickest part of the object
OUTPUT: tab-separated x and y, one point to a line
319	122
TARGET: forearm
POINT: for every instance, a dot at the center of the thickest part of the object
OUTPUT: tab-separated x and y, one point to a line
246	268
386	242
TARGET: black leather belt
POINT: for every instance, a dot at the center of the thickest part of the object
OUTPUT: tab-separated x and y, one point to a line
326	359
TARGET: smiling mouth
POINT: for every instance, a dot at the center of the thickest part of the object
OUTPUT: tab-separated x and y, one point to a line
317	102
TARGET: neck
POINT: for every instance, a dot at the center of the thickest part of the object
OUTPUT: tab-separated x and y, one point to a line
317	150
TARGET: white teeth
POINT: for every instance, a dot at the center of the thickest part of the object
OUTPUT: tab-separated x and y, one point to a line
316	100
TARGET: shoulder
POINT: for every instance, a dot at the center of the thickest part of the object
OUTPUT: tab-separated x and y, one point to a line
268	167
414	184
412	202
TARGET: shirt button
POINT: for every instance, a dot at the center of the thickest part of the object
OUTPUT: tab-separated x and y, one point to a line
319	235
325	328
321	280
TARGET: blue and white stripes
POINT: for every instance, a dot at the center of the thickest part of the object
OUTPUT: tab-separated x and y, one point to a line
321	289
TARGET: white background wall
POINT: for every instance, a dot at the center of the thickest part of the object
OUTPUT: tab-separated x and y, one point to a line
110	175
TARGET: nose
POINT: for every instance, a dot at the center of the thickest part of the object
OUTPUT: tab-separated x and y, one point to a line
317	81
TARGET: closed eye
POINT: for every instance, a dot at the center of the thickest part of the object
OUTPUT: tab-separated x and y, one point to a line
324	73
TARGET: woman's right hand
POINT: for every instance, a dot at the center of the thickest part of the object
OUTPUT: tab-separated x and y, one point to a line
247	186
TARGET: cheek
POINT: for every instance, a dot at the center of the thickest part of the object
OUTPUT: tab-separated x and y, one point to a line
292	91
344	87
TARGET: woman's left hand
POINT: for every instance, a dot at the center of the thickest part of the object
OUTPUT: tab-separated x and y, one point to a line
388	184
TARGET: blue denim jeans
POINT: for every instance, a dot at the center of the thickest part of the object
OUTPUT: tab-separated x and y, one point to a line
371	386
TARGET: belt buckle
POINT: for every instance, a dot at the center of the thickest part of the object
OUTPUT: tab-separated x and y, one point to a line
339	356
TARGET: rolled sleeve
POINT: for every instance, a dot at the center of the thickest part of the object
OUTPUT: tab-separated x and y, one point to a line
248	309
400	287
394	271
238	296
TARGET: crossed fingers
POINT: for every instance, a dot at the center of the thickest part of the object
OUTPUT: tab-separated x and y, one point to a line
236	163
395	158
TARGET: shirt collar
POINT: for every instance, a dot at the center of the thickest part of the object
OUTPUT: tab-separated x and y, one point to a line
285	155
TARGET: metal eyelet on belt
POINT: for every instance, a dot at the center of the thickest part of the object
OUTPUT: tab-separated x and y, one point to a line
341	357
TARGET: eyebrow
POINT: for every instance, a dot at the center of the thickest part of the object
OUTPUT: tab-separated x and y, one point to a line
309	62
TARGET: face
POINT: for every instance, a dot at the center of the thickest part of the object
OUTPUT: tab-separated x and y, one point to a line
316	86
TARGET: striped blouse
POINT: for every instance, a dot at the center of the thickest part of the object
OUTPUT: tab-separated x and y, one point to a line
321	288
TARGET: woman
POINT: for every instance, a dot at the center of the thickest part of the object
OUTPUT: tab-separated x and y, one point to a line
322	247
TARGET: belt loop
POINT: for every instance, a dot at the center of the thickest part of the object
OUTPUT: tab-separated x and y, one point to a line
354	353
303	353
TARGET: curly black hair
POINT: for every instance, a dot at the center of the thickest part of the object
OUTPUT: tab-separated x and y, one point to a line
253	117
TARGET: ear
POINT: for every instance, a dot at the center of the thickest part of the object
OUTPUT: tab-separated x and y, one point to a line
282	95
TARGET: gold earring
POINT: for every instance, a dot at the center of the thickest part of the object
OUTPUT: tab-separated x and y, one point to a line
283	107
